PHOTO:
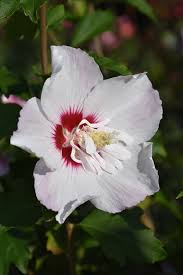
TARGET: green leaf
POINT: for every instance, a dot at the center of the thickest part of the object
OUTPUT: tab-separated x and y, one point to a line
19	207
143	6
159	146
12	251
30	8
172	205
55	15
180	195
91	25
7	8
109	64
123	240
7	79
8	125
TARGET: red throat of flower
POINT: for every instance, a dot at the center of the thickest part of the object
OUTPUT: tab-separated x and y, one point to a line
68	121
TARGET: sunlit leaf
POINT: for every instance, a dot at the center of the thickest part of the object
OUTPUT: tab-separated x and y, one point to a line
143	6
91	25
123	240
12	251
159	146
110	64
52	244
30	8
55	15
180	195
7	8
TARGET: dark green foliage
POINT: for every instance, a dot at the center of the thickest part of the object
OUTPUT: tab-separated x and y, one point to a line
7	79
121	241
111	65
30	8
180	195
12	251
8	119
143	6
7	8
91	25
55	16
19	207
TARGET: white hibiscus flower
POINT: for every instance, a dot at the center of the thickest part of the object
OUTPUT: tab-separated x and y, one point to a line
90	135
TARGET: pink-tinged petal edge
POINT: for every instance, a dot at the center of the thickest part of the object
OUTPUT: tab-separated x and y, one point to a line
64	189
13	99
35	134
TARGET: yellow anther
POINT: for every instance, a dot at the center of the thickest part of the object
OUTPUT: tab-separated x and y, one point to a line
101	138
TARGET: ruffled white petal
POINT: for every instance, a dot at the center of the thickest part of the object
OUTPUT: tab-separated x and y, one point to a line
89	144
129	186
75	73
146	165
131	104
64	189
118	151
90	163
35	134
112	163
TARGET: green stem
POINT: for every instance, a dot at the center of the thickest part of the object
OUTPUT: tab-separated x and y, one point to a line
43	40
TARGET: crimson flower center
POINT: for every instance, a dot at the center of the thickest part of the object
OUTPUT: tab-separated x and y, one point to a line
63	133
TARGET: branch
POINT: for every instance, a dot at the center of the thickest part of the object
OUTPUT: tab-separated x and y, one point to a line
43	40
70	227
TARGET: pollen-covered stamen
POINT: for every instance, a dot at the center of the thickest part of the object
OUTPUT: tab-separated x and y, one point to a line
89	137
101	138
90	141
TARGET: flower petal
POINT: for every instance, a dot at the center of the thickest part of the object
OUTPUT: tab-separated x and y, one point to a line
112	163
64	189
89	145
130	185
146	164
74	75
130	103
118	151
13	99
90	163
34	134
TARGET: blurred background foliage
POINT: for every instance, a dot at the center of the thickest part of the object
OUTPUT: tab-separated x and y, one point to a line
123	36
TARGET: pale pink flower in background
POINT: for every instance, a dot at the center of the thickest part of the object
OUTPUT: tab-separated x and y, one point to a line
4	165
13	99
109	40
125	27
67	24
90	135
